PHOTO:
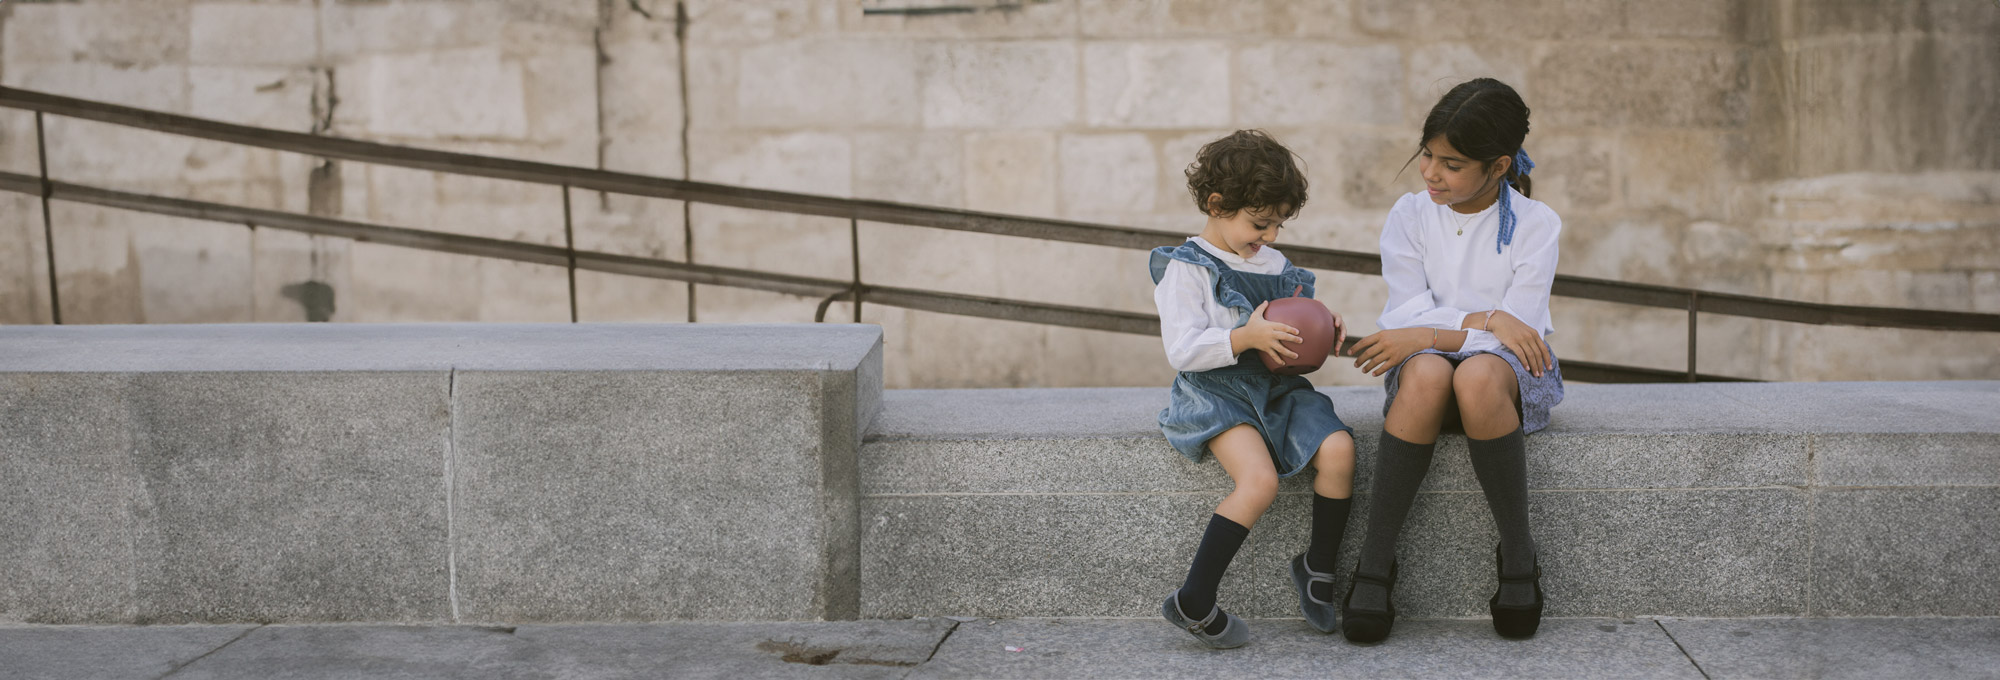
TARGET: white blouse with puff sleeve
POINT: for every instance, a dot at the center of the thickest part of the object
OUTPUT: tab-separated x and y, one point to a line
1194	327
1437	276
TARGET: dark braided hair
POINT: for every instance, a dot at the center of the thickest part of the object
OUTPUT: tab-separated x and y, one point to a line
1248	169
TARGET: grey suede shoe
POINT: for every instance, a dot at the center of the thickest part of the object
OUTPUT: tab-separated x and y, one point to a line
1234	633
1324	616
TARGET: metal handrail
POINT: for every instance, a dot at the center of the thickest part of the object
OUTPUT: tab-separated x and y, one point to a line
567	177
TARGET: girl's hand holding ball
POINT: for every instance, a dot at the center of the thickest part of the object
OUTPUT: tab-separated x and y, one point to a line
1269	336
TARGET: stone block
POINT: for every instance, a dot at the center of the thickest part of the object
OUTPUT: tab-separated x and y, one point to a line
158	87
925	168
521	292
1437	68
935	259
1155	85
1178	151
1175	18
253	34
393	284
271	97
1107	174
1310	84
560	90
745	483
1025	84
464	93
1574	175
1011	172
809	162
497	208
1701	19
1663	86
70	489
141	34
96	270
192	271
759	22
24	289
355	29
1289	648
822	84
641	107
993	20
110	651
610	297
1905	552
774	242
249	517
1077	357
1557	20
298	277
917	557
1838	648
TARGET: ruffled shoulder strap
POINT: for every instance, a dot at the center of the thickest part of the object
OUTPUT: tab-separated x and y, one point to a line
1193	254
1295	277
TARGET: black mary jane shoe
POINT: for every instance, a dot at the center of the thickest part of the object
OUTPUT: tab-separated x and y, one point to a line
1516	621
1369	625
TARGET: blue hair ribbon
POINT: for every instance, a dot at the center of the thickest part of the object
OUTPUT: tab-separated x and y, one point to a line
1521	166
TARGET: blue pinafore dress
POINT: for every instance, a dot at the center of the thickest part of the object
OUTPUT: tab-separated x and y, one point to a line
1293	418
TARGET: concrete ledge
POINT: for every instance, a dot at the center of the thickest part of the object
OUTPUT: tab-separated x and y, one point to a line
1683	500
448	472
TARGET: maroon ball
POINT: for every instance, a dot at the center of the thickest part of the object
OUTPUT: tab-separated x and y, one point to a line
1316	334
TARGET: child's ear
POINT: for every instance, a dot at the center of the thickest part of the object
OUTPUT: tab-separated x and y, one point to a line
1215	205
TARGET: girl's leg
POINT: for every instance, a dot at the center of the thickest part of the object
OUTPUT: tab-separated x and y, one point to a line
1333	488
1488	395
1404	457
1243	455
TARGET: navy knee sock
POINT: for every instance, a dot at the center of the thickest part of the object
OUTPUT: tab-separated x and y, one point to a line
1502	467
1218	547
1400	467
1329	526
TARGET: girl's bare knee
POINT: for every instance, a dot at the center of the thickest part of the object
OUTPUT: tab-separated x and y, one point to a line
1336	453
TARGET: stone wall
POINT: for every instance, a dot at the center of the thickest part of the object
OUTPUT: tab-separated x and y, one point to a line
1827	150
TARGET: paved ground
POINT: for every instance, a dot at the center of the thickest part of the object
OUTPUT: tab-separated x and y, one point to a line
1011	648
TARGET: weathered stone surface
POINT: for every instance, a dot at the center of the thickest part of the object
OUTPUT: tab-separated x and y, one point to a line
1289	648
106	33
926	168
1107	174
1153	85
253	34
828	84
1837	648
1664	86
109	651
474	92
1315	85
1011	172
1905	552
1030	84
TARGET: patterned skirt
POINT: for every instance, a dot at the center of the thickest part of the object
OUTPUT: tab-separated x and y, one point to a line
1538	395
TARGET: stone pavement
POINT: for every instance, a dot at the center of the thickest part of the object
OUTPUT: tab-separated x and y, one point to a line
1011	648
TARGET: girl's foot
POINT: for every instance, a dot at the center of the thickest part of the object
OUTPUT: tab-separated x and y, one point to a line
1324	616
1233	633
1516	621
1370	624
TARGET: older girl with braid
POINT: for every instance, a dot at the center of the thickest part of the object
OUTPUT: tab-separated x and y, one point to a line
1469	264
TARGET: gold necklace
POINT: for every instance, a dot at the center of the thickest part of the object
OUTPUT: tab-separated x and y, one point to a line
1463	219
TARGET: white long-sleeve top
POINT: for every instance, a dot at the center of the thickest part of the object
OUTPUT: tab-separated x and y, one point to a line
1437	276
1194	327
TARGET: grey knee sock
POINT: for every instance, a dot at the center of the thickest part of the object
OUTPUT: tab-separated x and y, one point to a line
1502	467
1400	467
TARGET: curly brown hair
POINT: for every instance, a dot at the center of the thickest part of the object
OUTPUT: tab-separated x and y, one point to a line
1248	169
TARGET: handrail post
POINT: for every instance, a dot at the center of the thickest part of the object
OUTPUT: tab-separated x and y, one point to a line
569	244
48	224
854	245
1694	301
